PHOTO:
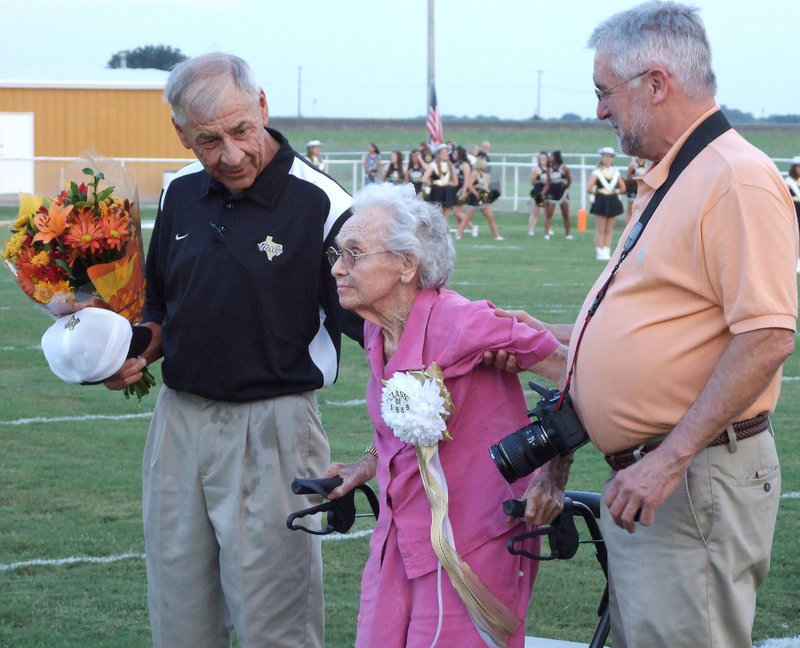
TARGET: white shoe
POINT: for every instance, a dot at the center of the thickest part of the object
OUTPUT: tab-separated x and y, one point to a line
598	253
531	233
570	237
475	230
550	233
499	238
546	237
798	266
458	237
606	253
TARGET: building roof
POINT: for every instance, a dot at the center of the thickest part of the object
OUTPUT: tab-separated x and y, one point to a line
102	78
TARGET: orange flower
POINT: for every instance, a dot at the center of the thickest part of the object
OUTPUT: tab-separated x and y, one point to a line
84	236
51	224
114	228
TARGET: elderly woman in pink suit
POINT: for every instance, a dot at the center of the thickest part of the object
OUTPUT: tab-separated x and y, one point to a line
393	260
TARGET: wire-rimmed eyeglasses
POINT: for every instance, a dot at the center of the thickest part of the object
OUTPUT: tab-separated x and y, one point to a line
348	256
602	94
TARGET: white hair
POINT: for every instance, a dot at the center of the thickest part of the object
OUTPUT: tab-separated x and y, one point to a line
417	228
194	85
668	34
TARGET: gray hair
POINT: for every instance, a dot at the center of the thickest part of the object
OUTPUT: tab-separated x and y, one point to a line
668	34
193	86
418	229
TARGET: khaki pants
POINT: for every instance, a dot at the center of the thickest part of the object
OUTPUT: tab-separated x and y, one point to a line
216	496
690	579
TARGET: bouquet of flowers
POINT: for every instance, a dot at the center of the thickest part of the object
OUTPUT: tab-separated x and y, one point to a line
82	248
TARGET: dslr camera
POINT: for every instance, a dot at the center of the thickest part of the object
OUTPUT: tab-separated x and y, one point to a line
555	430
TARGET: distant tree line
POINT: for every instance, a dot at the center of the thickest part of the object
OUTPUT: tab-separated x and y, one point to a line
735	116
156	57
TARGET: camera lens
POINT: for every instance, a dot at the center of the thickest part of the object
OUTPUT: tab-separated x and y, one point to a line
522	452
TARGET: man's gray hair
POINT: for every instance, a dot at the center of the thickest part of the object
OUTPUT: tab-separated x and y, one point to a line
417	229
194	86
667	34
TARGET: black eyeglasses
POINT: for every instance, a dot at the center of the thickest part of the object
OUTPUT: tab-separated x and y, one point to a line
348	256
602	94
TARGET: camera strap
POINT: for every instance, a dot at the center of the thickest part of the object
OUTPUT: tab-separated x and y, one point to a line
710	129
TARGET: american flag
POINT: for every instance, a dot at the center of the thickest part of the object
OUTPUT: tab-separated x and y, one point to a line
435	135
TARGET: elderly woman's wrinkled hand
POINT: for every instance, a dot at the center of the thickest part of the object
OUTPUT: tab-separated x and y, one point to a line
353	474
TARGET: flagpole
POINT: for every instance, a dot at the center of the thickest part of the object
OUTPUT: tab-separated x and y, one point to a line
431	52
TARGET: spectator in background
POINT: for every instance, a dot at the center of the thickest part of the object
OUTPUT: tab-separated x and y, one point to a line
395	171
636	169
313	149
540	182
604	187
557	194
484	150
793	182
372	165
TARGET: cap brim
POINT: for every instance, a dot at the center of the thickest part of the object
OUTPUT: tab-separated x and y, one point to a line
140	340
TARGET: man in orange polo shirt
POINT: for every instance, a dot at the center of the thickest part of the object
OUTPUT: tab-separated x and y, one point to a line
681	362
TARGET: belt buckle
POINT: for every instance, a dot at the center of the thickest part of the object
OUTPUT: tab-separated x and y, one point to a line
637	452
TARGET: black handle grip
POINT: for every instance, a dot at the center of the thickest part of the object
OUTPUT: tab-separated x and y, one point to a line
514	507
320	486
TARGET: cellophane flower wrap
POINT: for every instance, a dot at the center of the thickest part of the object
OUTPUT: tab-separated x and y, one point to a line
83	246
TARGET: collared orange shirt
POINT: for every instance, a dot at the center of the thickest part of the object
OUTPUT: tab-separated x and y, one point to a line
717	258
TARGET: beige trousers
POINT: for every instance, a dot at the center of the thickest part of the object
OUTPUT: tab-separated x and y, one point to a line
216	495
690	579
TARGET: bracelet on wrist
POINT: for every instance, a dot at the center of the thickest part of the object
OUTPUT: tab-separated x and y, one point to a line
371	450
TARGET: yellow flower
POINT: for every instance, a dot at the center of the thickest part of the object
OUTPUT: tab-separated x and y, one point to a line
46	292
14	245
42	259
23	222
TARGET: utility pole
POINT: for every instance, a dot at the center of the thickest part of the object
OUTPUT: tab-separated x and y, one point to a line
539	95
431	51
299	77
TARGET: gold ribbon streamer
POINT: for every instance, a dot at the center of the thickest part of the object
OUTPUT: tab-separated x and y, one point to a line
487	612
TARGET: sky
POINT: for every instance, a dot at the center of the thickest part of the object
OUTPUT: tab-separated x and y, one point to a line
368	58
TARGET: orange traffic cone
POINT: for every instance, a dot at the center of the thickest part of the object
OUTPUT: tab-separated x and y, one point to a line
581	220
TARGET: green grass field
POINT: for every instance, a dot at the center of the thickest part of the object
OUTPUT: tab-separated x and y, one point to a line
70	466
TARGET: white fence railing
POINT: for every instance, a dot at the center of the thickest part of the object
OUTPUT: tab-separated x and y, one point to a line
511	173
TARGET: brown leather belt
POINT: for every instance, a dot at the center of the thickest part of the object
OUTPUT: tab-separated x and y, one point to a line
742	429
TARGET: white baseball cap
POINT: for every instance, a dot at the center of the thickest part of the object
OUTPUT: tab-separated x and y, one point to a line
314	143
90	345
606	150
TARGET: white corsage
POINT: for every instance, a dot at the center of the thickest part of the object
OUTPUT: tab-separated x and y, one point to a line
416	406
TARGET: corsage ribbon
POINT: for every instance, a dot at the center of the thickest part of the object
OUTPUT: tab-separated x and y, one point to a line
416	406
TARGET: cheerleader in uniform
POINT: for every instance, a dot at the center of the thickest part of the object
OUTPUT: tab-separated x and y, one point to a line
540	181
441	178
479	196
557	193
416	170
395	172
605	185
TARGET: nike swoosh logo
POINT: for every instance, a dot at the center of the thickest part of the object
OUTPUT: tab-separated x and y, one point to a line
178	237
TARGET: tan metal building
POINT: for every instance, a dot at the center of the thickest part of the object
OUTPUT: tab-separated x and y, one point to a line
59	119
